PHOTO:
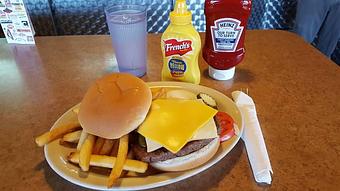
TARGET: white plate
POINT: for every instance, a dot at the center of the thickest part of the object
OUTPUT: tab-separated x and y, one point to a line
56	154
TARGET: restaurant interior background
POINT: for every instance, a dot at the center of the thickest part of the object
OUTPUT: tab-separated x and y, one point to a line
80	17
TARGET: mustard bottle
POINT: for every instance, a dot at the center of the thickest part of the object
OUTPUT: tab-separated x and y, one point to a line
181	44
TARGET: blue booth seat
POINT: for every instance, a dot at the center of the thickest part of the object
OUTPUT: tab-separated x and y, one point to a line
78	17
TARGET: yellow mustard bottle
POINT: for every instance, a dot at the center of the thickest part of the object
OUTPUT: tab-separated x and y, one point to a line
181	44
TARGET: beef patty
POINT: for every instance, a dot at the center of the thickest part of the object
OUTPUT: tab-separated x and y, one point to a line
163	154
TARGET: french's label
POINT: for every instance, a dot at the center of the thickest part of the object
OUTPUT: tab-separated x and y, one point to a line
226	34
172	47
177	66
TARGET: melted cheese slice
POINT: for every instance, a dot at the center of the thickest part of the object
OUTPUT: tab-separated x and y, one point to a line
208	131
173	122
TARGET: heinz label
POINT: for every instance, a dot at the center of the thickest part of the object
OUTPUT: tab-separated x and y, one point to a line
172	47
226	34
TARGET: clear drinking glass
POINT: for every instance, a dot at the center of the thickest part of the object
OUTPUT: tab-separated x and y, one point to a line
127	25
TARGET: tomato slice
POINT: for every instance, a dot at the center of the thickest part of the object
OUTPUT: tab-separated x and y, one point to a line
225	125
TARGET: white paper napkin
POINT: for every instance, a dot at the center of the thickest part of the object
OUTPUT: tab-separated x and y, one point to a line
253	138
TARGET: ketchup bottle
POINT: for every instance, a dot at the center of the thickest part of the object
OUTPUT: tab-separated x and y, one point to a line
226	22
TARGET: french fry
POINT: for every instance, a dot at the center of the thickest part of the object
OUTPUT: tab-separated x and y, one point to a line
98	145
109	161
85	152
119	164
72	137
82	138
107	147
67	144
114	150
132	174
56	133
130	155
158	93
76	110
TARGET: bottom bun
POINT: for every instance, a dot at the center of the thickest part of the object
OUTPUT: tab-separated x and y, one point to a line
191	160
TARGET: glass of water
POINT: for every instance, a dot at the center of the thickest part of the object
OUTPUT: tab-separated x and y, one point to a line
127	26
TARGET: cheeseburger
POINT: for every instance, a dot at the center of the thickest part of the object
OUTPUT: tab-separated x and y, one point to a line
175	132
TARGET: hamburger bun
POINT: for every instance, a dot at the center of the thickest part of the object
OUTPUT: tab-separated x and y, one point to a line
191	160
114	105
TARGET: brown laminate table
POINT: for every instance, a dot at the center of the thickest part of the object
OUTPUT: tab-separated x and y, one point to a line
296	90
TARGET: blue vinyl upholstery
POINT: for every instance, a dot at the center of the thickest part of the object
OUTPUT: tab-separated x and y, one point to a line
77	17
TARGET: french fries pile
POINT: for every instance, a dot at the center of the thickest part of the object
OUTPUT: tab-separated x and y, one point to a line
95	151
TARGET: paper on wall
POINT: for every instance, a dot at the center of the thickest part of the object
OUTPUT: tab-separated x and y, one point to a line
15	22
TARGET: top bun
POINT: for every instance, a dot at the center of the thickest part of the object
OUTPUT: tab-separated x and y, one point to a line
115	105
